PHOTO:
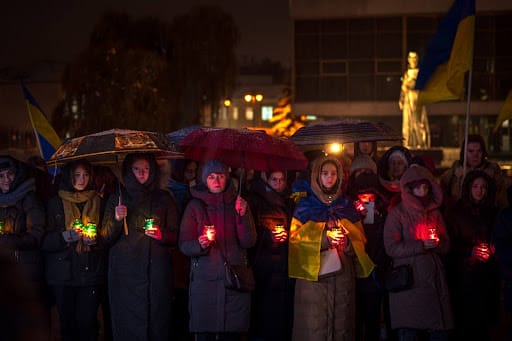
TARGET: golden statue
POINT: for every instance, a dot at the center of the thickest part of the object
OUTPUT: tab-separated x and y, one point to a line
415	128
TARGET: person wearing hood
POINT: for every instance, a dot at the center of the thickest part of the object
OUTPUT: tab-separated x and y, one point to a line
75	255
476	159
366	192
141	225
272	304
391	167
472	267
22	222
415	234
325	220
217	227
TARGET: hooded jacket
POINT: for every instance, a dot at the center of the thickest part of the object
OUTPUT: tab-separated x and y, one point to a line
212	307
140	267
427	304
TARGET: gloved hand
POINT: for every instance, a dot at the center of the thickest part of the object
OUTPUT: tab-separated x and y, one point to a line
88	241
70	236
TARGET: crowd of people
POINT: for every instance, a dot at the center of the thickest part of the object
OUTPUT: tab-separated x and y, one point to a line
154	254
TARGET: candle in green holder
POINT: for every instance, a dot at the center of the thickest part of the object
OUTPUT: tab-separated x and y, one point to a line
90	230
2	227
149	224
78	224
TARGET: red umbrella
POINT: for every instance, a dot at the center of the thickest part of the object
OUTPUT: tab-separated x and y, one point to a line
243	148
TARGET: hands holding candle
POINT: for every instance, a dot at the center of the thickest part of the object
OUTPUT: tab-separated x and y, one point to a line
336	237
89	234
151	229
481	252
279	234
208	236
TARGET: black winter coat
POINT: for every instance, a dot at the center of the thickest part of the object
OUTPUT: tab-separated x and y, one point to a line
212	307
64	265
140	267
272	311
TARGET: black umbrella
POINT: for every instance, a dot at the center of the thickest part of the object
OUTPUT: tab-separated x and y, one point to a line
344	131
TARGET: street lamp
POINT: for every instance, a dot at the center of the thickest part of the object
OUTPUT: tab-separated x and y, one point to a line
255	99
227	105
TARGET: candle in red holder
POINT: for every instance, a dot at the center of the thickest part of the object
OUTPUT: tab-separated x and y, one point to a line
432	233
209	232
483	249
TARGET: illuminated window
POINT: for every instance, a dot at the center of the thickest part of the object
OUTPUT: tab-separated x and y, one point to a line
249	114
235	113
266	112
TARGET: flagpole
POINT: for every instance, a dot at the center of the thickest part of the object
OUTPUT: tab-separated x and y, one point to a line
466	130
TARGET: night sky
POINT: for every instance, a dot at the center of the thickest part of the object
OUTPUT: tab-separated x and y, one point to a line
57	30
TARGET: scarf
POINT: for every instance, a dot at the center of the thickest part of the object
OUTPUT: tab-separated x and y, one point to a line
11	198
90	213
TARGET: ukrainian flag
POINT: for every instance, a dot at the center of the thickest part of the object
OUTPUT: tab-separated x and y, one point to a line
448	56
47	139
505	112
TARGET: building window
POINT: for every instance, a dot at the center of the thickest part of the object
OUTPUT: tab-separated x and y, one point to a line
266	112
363	58
249	113
235	113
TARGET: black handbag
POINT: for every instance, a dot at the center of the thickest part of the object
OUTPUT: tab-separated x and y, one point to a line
399	278
239	277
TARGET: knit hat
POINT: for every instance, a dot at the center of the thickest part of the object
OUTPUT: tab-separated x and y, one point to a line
7	163
213	166
363	161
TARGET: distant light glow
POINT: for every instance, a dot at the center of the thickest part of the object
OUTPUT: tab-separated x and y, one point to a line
335	148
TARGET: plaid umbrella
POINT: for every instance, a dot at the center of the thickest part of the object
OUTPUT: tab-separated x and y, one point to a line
344	131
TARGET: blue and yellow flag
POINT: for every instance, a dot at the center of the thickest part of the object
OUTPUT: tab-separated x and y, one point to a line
47	139
448	56
505	112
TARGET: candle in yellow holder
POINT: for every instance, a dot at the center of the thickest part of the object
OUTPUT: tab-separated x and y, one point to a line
278	229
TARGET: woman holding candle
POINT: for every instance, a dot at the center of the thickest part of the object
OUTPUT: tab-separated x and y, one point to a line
272	307
415	234
140	223
325	220
473	270
75	255
216	313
